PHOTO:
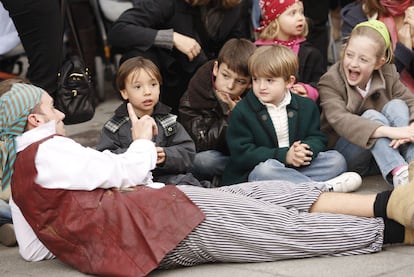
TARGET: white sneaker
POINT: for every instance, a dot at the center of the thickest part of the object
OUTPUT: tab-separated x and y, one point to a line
346	182
400	177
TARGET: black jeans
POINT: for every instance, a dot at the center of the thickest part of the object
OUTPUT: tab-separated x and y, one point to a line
38	23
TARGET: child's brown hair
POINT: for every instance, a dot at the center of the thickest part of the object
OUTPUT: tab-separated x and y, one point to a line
235	54
134	65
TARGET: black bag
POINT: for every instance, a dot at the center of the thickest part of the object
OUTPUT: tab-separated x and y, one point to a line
75	93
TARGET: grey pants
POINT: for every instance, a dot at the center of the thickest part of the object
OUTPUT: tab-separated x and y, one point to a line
269	221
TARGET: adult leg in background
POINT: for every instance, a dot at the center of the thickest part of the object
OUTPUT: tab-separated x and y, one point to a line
41	33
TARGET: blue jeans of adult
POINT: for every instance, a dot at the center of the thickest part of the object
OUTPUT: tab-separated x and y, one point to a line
5	213
208	164
380	158
326	165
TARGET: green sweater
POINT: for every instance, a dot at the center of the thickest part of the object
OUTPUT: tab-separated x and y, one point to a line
252	139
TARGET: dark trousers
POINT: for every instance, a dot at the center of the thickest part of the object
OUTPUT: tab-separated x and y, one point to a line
38	23
317	11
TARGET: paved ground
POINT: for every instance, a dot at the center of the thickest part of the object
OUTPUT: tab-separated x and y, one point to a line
393	261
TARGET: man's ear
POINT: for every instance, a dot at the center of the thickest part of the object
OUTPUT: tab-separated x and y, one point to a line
291	81
33	121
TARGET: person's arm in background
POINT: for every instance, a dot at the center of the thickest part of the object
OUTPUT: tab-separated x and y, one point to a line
403	52
138	26
146	25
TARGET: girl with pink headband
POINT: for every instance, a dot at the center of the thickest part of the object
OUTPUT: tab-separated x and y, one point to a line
283	22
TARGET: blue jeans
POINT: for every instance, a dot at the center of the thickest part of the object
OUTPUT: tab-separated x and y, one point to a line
5	213
381	158
208	164
325	166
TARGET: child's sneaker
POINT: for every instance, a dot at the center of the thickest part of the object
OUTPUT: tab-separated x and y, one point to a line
346	182
400	177
7	235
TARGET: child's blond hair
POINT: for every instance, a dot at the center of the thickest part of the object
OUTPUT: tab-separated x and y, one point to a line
273	61
383	50
271	31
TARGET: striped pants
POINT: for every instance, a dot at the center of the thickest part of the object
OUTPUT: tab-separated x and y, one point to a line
269	221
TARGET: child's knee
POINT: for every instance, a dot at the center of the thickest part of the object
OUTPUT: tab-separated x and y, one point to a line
336	161
395	107
375	116
266	168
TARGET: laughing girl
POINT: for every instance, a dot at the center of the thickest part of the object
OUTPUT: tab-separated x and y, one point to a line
366	111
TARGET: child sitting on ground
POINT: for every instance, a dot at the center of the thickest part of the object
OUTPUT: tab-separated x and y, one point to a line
367	111
207	103
138	81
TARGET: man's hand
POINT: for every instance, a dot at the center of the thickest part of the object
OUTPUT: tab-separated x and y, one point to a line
186	45
143	128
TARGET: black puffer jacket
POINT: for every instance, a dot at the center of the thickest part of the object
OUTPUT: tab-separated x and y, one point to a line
202	114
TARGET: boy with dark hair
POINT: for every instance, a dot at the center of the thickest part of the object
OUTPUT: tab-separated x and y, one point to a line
205	107
139	81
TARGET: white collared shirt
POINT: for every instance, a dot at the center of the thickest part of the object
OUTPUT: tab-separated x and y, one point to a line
364	92
63	163
278	115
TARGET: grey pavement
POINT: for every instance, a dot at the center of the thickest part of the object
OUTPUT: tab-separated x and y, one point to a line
393	261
